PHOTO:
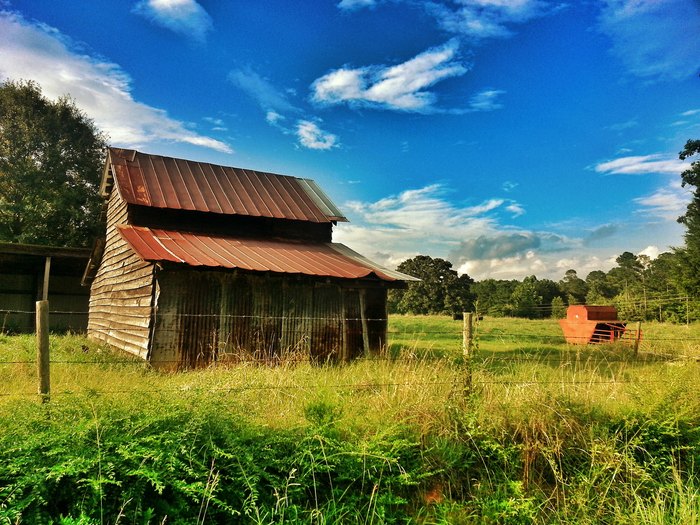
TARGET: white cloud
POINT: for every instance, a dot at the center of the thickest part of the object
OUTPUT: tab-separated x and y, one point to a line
651	251
312	137
635	165
185	17
654	39
690	112
402	87
33	51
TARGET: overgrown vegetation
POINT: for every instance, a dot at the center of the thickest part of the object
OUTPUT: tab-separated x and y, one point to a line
548	434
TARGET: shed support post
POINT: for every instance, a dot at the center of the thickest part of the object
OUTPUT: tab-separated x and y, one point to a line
42	349
45	283
365	326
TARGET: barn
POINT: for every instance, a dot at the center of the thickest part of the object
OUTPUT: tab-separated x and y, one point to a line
203	263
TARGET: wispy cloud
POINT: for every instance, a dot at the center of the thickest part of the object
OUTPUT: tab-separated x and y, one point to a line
600	233
185	17
424	220
486	100
102	89
496	246
481	19
516	209
261	90
638	165
403	87
622	126
351	5
477	239
277	106
655	39
690	112
311	136
665	203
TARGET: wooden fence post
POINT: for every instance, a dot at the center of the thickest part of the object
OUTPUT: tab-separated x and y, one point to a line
467	343
42	349
637	338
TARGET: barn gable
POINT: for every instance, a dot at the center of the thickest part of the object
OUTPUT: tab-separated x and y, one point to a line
202	261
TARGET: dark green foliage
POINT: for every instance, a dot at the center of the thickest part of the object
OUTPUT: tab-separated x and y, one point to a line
440	290
51	158
90	460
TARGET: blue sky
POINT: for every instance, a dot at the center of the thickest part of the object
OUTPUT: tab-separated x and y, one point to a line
512	137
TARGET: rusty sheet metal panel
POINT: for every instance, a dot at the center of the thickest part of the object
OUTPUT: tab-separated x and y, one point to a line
584	312
165	182
187	324
204	316
198	249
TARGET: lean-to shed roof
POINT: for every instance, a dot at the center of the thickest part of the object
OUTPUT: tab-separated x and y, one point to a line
179	184
261	255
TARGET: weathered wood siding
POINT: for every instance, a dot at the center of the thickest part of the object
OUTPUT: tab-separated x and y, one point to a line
205	316
122	291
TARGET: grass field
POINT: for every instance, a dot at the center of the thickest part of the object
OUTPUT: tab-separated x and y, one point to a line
531	430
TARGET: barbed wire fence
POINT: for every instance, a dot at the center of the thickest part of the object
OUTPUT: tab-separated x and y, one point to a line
465	336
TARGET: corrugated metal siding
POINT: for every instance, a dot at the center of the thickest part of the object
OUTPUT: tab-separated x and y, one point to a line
198	249
121	292
202	316
179	184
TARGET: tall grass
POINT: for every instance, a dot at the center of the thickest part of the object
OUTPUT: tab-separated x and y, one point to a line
548	433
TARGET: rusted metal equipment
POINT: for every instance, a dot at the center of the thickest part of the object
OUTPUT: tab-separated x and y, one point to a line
592	324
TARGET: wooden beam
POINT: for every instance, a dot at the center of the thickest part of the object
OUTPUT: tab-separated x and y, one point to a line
47	273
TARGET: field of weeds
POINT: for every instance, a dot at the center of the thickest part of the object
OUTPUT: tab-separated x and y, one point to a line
528	430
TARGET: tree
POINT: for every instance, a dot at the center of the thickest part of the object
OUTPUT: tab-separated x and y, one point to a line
558	308
525	299
688	271
548	290
51	158
493	296
691	177
440	290
573	287
600	289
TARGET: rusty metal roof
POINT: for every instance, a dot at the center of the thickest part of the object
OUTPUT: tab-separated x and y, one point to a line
166	182
197	249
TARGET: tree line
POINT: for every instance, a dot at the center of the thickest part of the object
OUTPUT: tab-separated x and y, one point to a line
640	287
